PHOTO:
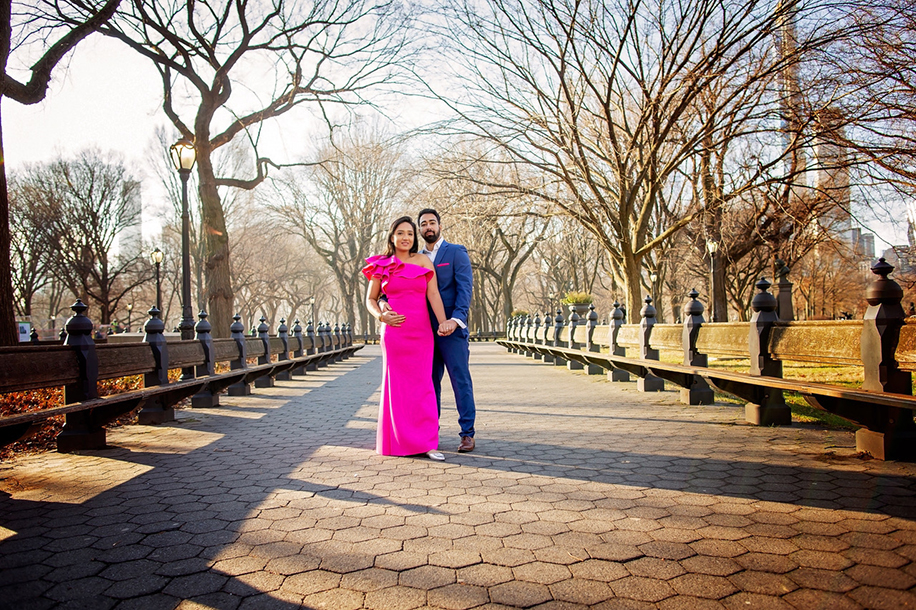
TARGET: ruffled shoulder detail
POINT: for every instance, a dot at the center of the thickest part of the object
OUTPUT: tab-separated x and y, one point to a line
383	267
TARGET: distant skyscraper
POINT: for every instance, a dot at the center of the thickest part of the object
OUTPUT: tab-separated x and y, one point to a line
130	240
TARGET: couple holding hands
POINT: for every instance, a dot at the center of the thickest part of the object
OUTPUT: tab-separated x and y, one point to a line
413	291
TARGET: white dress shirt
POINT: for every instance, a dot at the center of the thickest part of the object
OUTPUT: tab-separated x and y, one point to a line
431	252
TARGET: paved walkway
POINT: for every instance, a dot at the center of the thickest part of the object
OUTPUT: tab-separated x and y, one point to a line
581	493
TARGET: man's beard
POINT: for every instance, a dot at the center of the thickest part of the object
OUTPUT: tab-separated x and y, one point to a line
430	238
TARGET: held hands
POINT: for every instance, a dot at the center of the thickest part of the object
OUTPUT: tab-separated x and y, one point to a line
446	328
390	316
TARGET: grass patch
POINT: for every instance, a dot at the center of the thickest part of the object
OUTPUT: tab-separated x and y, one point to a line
842	376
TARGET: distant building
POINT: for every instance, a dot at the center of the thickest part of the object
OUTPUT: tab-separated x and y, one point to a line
862	243
130	239
902	257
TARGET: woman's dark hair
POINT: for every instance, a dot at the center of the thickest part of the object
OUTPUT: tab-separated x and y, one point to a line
394	227
429	211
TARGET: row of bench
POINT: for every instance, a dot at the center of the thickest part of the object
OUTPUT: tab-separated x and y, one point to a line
79	364
882	343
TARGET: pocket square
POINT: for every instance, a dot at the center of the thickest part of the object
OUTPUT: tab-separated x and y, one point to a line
443	265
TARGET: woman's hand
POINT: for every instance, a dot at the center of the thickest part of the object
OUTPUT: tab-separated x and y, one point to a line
446	328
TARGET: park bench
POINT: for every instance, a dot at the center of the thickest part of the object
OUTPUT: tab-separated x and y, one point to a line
79	364
883	343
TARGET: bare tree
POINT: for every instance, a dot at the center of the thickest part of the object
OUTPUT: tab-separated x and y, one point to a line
605	99
210	54
342	206
875	75
24	30
84	205
31	255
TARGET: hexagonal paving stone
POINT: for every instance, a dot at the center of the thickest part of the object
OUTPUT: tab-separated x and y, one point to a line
335	599
581	591
540	572
714	566
400	561
293	564
427	577
703	585
395	598
763	583
306	583
653	567
455	558
507	557
812	598
642	589
458	597
881	577
822	580
519	594
484	575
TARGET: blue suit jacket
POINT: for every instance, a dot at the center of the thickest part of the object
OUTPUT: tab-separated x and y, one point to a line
455	279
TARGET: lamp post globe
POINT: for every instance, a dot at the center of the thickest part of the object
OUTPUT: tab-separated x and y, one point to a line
184	156
156	258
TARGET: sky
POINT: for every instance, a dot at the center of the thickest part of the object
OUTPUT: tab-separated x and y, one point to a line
109	97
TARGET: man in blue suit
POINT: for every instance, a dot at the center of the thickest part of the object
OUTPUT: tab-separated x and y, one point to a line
455	279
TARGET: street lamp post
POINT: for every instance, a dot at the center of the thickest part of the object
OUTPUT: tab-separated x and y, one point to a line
312	306
156	257
130	309
712	245
184	156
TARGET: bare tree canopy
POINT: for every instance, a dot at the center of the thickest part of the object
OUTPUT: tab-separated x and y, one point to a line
611	102
874	75
226	67
82	207
342	205
26	29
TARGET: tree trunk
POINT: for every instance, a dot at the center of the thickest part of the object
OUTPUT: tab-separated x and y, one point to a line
632	270
216	237
719	311
9	332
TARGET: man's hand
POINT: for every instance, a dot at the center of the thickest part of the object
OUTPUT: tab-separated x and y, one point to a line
390	316
446	328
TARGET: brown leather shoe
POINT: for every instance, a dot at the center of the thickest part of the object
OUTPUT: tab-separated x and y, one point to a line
467	444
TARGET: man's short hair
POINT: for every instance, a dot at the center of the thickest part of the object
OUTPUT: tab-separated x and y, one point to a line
428	211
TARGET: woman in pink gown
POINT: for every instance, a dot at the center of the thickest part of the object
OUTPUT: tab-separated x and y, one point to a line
408	421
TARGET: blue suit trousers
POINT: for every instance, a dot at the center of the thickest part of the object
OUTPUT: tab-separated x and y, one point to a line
453	353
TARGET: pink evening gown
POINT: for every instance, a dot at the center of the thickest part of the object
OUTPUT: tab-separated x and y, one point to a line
408	419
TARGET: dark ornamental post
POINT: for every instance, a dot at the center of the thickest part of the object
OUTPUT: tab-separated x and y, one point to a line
548	322
237	333
616	348
312	345
772	409
529	334
265	381
574	365
336	344
558	337
80	430
205	398
590	345
283	334
298	347
891	434
323	344
154	412
699	393
649	383
537	335
784	308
